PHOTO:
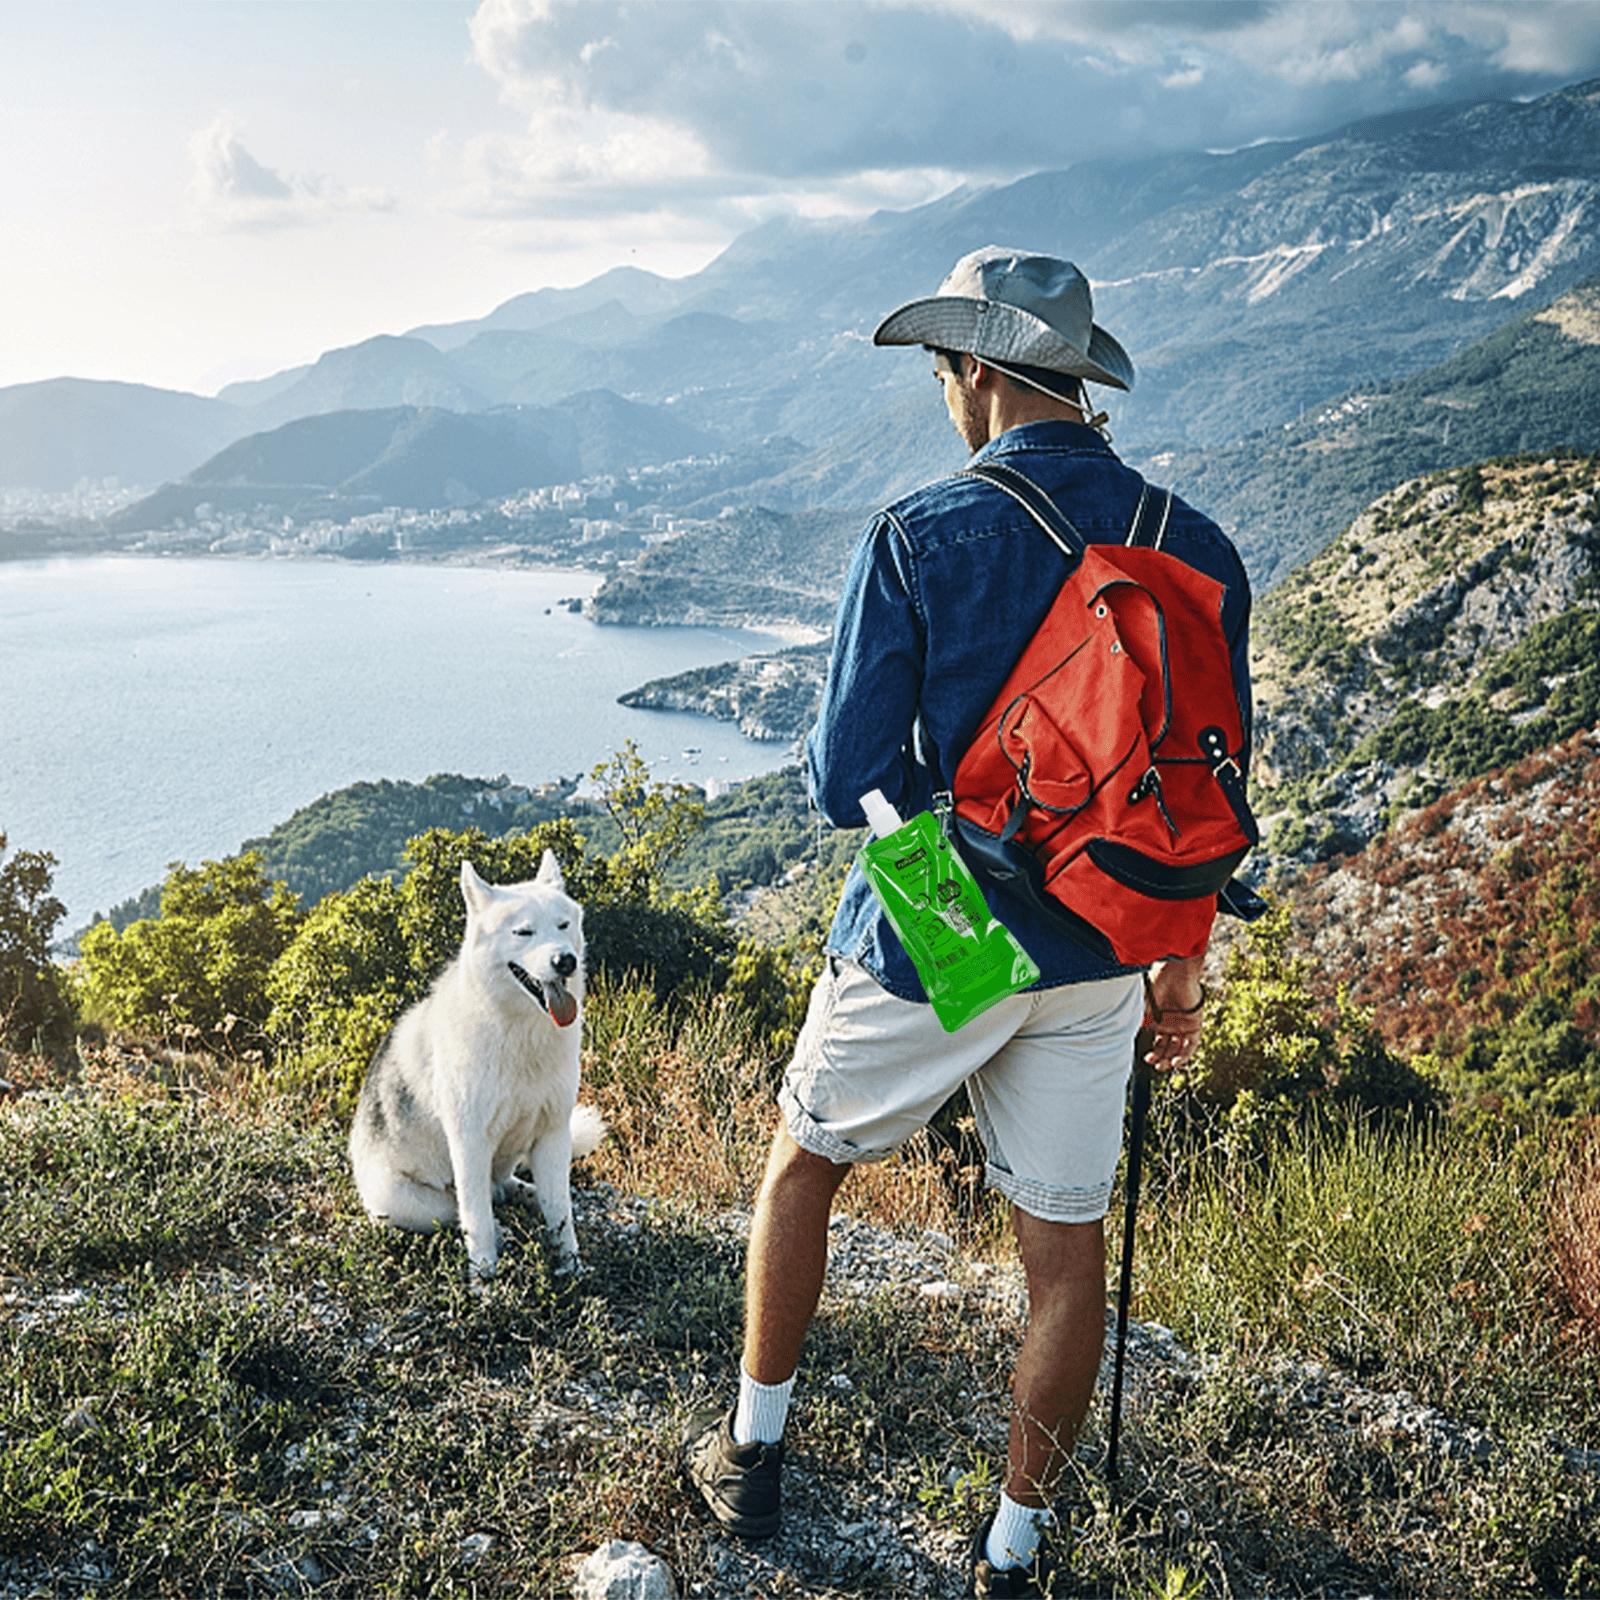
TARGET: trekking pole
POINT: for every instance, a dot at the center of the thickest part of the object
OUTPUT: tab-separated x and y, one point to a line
1143	1073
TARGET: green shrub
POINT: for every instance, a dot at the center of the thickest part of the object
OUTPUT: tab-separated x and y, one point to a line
337	989
1270	1048
35	1008
199	970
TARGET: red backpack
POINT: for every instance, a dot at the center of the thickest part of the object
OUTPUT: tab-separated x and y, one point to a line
1104	782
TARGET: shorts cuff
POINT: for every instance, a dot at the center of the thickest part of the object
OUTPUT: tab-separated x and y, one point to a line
1046	1201
810	1135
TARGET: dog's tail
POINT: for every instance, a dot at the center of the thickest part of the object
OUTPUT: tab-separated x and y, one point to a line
588	1129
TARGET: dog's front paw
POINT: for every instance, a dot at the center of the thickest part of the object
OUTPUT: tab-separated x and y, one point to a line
482	1259
569	1264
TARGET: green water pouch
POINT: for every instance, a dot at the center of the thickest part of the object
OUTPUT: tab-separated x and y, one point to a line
967	958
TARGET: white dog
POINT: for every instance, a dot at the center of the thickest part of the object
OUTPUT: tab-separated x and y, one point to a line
480	1076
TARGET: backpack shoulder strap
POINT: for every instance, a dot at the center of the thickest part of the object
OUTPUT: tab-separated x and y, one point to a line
1149	525
1035	502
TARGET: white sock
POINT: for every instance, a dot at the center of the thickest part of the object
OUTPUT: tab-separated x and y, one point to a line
1014	1537
763	1409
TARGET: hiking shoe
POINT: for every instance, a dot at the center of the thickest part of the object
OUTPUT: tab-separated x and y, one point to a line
986	1582
738	1482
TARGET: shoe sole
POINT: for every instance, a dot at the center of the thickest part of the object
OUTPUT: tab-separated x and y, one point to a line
729	1520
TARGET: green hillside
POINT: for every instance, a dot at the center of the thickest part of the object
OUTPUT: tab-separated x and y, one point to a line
746	568
350	833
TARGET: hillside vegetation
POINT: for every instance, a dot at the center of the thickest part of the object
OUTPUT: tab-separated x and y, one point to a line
1472	931
1450	630
362	829
748	568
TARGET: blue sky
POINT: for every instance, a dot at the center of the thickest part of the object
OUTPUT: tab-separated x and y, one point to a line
200	190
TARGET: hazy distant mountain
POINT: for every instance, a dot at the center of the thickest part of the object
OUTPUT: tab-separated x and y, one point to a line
379	372
252	391
56	432
643	293
422	457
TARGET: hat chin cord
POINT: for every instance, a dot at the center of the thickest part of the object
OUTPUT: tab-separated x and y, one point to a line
1091	418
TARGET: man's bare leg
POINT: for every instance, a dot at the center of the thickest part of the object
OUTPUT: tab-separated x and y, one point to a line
1065	1264
787	1257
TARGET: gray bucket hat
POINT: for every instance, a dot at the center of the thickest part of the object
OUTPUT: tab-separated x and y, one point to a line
1013	306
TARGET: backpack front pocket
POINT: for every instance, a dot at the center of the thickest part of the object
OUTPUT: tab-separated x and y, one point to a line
1074	728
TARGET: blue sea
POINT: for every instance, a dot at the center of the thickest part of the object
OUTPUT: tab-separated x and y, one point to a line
155	709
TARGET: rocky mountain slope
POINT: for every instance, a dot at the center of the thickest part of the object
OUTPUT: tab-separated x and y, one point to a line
1451	629
1283	493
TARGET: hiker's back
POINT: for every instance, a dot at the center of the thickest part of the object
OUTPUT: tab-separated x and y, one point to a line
980	575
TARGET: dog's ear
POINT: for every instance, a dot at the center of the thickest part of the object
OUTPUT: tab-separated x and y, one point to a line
473	889
550	871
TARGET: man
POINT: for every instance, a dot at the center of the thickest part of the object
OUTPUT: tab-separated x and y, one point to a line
944	591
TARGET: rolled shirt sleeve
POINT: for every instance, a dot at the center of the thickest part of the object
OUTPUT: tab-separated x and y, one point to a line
862	736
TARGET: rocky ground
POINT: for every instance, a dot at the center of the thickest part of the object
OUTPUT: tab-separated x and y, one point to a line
291	1402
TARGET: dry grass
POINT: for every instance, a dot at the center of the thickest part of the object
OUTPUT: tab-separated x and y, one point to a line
1575	1228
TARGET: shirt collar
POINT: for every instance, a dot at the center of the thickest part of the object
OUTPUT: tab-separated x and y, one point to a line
1052	434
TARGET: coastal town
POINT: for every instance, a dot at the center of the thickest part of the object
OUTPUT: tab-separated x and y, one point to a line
598	521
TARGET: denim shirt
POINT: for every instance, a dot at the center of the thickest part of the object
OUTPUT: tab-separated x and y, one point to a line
944	590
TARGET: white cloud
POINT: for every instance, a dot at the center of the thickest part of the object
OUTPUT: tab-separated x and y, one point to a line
231	191
721	108
1425	75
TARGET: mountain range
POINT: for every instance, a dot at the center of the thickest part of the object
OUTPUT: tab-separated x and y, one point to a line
1252	287
424	457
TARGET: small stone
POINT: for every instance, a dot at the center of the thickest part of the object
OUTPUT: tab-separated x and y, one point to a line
475	1546
623	1570
842	1381
941	1291
81	1419
316	1517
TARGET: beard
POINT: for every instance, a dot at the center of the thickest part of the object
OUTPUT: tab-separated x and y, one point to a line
971	421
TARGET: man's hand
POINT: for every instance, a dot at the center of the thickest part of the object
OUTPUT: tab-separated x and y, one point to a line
1174	1000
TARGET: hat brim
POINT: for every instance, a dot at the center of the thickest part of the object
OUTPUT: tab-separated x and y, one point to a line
1008	333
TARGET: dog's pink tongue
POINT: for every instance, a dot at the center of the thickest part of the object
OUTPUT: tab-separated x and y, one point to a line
563	1007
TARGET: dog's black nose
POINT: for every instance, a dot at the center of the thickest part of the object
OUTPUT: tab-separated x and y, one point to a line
566	964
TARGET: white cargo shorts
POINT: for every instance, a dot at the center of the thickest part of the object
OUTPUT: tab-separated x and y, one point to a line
1046	1072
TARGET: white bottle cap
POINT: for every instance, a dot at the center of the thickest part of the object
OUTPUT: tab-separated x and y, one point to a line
882	817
